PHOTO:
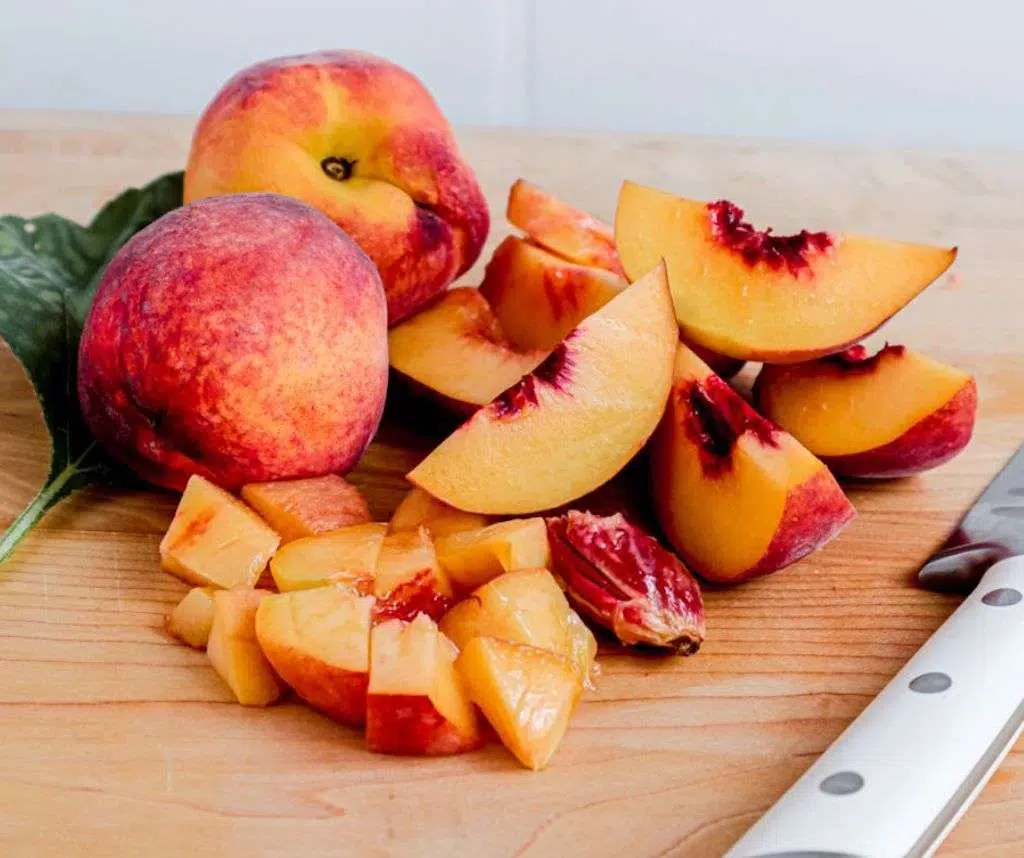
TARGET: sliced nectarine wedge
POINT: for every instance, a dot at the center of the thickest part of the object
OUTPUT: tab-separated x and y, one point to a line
561	228
526	693
346	556
474	557
233	649
890	414
409	580
420	509
574	422
528	607
417	703
298	508
754	295
736	495
457	351
319	643
539	297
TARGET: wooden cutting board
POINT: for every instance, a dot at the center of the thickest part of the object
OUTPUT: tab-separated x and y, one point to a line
114	741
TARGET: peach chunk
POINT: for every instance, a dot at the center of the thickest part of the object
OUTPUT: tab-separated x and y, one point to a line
561	228
417	703
215	539
736	495
234	651
420	509
890	414
456	350
528	607
539	297
192	617
526	693
409	580
298	508
573	423
753	295
474	557
347	556
319	643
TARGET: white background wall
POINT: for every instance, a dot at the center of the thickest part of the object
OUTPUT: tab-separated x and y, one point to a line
944	73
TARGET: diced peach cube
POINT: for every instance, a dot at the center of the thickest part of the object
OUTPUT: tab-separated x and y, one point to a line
526	693
298	508
234	651
419	508
409	579
215	539
192	617
473	557
347	556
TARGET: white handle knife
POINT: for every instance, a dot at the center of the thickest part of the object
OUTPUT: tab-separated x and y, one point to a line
897	781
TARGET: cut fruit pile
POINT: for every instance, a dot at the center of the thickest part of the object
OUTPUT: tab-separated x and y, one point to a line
455	613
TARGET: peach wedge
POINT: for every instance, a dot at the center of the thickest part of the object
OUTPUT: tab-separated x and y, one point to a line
735	494
573	423
890	414
539	297
456	350
561	228
417	703
754	295
319	643
233	649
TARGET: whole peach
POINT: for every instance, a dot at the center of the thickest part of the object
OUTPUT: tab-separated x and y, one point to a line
361	139
243	338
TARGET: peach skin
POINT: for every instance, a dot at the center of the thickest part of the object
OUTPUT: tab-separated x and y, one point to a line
573	423
754	295
361	139
736	495
890	414
242	338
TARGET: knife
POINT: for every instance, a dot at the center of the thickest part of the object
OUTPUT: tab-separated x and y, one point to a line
901	776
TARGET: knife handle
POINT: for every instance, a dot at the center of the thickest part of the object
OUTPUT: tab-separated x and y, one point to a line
898	780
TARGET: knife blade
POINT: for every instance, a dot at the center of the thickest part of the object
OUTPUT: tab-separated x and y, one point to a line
897	781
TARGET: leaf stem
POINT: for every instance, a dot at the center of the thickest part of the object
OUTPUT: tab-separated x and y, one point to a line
50	493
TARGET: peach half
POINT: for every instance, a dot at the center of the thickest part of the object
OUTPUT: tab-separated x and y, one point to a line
736	495
574	422
417	703
754	295
890	414
539	297
456	349
561	228
319	643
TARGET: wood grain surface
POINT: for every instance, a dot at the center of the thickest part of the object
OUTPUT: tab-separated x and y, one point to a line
115	741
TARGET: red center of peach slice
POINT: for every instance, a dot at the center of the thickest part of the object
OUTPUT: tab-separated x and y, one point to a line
793	252
554	372
716	418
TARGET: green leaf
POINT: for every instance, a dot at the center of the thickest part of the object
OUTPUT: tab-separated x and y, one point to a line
49	270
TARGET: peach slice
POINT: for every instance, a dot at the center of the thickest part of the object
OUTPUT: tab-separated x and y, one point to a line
890	414
736	495
192	618
527	607
561	228
346	556
417	703
574	422
420	509
539	297
526	693
409	580
234	651
319	643
456	349
758	296
298	508
474	557
215	539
